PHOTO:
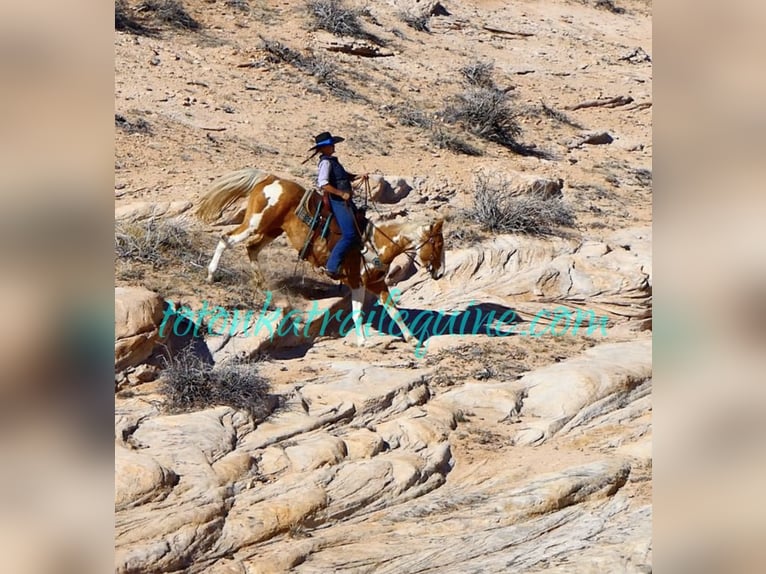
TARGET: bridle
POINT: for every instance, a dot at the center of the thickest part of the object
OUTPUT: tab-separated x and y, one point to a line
429	265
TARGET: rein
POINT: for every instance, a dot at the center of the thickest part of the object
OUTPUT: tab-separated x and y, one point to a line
376	228
406	251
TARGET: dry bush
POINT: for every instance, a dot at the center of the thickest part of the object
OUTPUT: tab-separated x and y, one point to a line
170	256
158	242
479	74
125	20
408	115
241	5
171	12
463	235
278	52
443	139
139	126
417	22
190	384
324	70
496	209
609	5
486	113
334	17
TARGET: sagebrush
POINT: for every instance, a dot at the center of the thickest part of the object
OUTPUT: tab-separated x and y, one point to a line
170	12
485	112
126	20
498	210
158	242
334	17
191	384
417	22
444	139
479	73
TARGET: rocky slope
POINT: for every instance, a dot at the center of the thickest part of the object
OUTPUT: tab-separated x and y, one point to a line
524	449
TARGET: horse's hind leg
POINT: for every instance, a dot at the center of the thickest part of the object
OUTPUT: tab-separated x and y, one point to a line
230	239
254	247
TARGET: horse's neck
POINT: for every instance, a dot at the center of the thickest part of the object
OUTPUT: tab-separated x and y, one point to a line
395	239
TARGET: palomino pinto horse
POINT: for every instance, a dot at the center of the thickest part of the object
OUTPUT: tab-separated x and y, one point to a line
271	211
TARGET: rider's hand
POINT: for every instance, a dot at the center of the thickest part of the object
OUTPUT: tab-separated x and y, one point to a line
364	176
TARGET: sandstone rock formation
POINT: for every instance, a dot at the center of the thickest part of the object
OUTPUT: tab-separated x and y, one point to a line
524	447
137	316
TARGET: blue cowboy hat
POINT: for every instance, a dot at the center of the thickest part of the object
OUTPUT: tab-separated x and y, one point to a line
325	138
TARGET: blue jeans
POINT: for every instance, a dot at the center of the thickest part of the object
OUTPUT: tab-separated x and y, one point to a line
344	215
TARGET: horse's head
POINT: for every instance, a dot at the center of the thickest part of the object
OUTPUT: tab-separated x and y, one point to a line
431	251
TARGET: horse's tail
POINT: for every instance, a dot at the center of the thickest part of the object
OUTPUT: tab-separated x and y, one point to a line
228	189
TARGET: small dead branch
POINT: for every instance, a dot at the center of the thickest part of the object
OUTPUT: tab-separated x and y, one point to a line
507	32
604	103
558	116
640	106
362	50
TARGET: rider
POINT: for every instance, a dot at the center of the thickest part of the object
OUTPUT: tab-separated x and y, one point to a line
335	181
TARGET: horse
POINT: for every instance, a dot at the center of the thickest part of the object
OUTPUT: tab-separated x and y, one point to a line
271	211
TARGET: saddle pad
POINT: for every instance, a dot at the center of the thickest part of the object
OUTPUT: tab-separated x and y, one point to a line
303	211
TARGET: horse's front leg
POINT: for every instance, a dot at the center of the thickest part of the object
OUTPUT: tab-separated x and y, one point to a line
357	302
388	303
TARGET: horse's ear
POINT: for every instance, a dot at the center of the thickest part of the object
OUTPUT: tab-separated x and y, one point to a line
437	227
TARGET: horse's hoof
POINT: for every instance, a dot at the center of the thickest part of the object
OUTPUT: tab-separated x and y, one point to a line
209	278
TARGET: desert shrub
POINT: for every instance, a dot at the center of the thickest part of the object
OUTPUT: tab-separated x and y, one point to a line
643	176
192	384
278	52
417	22
408	115
479	74
609	5
157	241
171	12
324	70
139	126
496	209
241	5
486	113
444	139
334	17
463	235
125	19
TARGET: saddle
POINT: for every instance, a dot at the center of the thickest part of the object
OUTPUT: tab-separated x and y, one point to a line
314	210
